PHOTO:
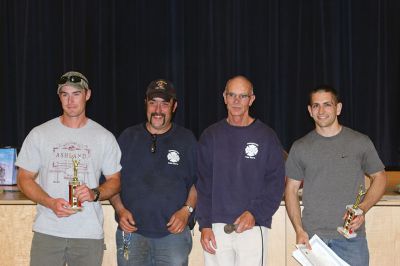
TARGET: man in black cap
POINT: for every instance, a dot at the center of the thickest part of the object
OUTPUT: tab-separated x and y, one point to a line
157	194
55	153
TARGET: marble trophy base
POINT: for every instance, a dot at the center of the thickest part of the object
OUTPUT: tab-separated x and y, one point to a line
76	208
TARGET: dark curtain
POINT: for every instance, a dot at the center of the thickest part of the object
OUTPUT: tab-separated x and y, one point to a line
285	47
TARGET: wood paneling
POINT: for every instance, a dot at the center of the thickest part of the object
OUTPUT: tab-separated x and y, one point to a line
383	232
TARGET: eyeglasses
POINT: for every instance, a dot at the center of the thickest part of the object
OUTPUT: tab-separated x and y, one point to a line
73	79
153	146
232	95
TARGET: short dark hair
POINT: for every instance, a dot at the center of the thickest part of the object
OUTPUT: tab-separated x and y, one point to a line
325	88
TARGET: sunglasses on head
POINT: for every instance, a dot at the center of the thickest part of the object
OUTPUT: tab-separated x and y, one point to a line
73	79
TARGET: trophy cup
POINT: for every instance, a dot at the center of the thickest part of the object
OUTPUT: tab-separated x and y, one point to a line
352	212
76	205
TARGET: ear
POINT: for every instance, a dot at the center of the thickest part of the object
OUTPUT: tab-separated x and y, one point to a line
338	108
309	110
174	107
252	99
88	94
224	96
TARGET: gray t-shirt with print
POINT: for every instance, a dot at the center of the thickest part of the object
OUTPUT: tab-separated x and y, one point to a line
333	168
48	150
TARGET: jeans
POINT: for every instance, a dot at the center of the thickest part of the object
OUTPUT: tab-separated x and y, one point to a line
171	250
354	251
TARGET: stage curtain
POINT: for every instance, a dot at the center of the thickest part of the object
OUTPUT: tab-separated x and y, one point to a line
285	47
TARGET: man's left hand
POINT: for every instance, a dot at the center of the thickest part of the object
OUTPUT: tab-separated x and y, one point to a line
83	193
357	222
245	222
178	221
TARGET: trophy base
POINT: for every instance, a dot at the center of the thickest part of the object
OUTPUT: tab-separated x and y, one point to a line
76	208
346	233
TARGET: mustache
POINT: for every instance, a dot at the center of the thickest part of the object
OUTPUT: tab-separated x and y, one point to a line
158	114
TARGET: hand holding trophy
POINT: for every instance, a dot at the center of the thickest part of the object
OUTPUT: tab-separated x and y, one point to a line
352	212
73	199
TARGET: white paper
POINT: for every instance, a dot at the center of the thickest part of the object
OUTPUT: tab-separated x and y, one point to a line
301	258
320	255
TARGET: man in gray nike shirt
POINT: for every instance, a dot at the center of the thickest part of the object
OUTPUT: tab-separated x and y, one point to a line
332	161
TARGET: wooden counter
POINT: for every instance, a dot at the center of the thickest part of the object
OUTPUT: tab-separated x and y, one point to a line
17	214
382	224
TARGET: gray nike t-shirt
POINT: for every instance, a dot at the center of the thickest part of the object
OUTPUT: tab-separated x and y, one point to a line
333	168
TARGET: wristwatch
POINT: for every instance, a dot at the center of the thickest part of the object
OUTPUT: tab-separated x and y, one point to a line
96	192
189	208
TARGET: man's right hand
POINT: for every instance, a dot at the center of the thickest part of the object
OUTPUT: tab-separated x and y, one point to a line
302	238
126	221
208	240
61	207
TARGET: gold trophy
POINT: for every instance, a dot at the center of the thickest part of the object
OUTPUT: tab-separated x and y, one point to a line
352	212
76	205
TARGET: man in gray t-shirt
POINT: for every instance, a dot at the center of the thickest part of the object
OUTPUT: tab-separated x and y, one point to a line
54	153
332	161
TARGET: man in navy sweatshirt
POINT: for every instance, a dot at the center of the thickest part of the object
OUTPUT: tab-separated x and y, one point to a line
241	182
157	195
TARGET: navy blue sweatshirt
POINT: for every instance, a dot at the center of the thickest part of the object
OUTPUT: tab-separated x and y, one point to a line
155	185
240	169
